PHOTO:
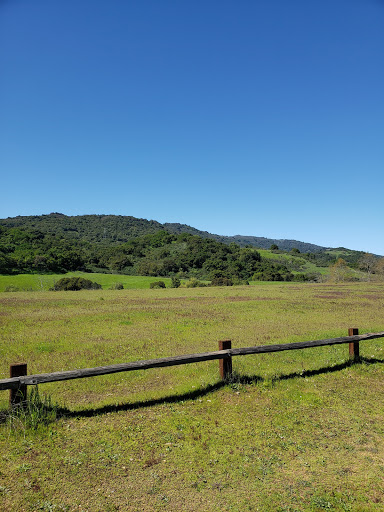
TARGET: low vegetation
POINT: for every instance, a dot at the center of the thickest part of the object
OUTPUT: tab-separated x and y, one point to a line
157	284
297	431
75	284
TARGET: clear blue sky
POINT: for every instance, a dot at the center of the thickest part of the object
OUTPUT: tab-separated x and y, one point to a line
253	117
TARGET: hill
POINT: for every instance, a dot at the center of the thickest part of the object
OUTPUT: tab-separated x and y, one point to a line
243	241
128	245
99	229
160	254
117	229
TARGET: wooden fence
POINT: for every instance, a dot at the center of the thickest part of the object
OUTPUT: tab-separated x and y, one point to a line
19	380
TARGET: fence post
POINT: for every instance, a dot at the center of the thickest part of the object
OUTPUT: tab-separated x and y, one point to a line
225	365
19	395
354	349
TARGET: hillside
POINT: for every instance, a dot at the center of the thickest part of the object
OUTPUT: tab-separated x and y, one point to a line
117	229
160	254
99	229
120	244
254	241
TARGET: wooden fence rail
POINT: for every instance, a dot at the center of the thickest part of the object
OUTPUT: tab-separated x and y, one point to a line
19	379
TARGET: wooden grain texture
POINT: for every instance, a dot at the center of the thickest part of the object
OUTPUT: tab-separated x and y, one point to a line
115	368
18	395
354	347
14	383
225	364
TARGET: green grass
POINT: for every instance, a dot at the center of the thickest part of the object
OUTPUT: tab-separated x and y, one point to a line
294	431
43	282
289	259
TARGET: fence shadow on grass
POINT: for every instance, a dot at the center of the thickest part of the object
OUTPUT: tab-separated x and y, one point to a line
327	369
170	399
234	382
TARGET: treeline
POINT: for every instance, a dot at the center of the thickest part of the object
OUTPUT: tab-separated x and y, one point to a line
159	254
104	229
117	229
32	251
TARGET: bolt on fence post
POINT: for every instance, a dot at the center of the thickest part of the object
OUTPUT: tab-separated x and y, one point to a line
354	349
225	365
19	395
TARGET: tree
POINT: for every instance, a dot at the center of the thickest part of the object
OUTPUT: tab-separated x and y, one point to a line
367	263
339	270
6	264
120	263
175	282
379	267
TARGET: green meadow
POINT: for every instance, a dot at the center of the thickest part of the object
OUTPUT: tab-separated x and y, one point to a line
302	264
293	431
43	282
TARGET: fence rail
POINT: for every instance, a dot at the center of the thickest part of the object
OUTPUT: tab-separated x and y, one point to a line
19	379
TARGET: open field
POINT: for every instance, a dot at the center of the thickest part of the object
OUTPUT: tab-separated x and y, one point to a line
295	431
43	282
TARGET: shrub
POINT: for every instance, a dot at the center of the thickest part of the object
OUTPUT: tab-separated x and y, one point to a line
157	284
302	278
75	284
238	281
193	283
221	281
175	282
117	286
272	275
11	288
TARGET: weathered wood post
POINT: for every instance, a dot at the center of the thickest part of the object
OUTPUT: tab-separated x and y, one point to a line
354	348
18	395
225	365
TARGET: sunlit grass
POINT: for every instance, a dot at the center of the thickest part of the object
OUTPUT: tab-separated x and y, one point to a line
294	431
43	282
286	258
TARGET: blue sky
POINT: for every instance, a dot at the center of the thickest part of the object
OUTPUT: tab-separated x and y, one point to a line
262	117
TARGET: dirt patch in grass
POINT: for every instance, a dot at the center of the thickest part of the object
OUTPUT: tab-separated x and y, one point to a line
239	299
331	295
180	299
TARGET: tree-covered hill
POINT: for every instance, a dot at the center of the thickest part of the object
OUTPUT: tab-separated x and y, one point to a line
243	241
120	244
104	229
158	254
117	229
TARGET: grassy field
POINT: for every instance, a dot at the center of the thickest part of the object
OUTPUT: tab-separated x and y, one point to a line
301	264
43	282
294	431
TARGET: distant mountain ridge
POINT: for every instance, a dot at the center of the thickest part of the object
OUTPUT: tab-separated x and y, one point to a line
117	229
243	240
